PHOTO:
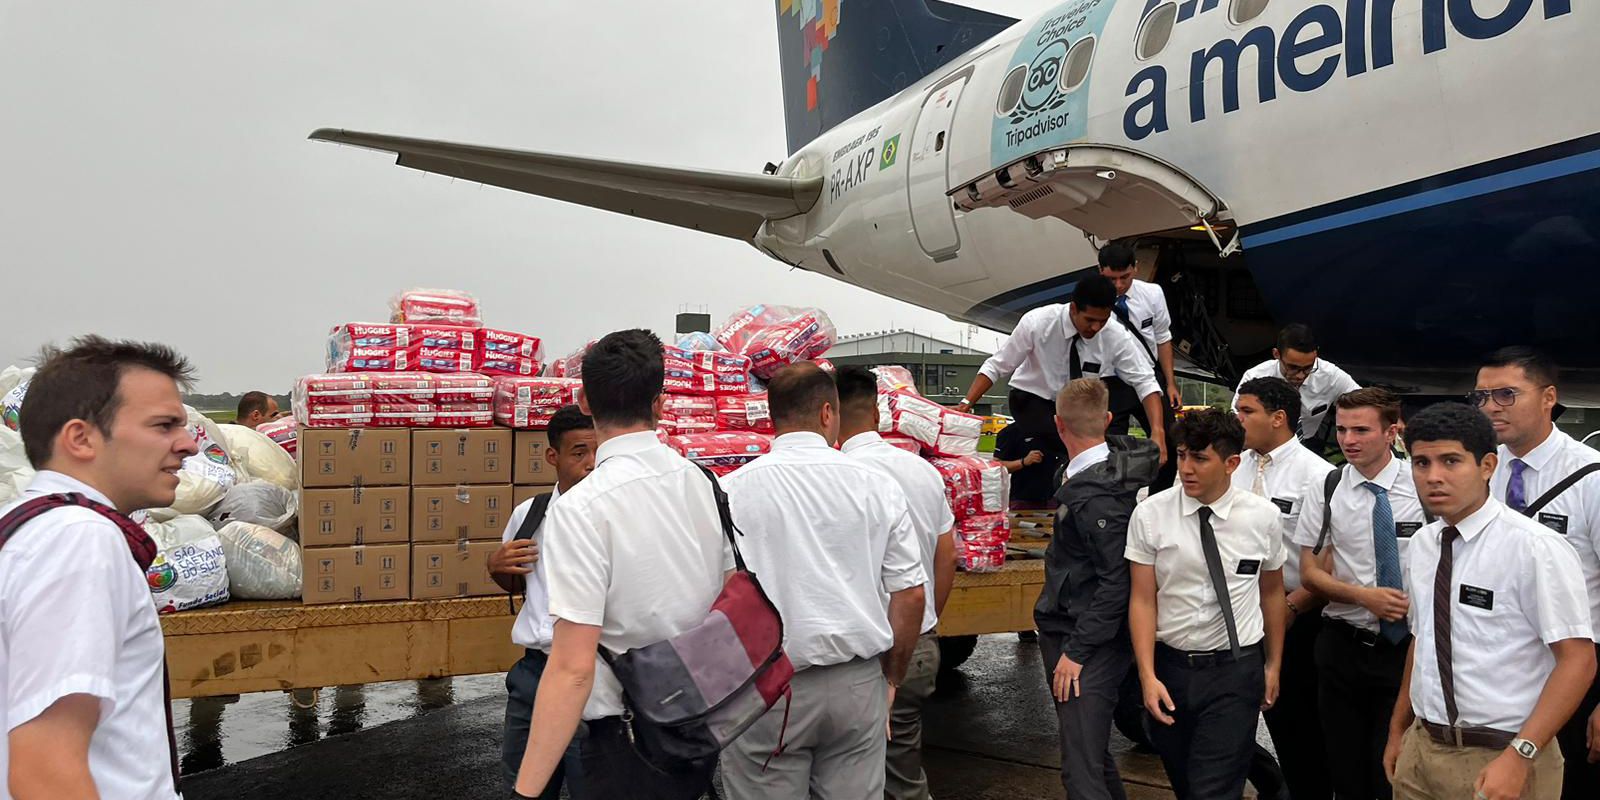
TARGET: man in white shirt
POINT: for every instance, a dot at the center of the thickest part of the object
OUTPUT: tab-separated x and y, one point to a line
516	566
1358	567
1503	649
83	686
1141	309
1277	467
1517	390
836	547
635	555
1206	612
1320	381
935	524
1057	343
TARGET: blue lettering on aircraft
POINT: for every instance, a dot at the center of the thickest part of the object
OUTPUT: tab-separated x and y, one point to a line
1288	57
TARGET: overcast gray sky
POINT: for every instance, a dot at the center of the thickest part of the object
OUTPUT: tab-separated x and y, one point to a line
158	183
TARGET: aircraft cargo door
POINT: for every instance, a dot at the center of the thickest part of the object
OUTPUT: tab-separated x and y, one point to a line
927	179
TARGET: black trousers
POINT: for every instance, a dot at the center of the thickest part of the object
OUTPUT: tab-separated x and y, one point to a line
522	686
1125	405
1357	682
1580	779
612	769
1300	746
1088	770
1208	748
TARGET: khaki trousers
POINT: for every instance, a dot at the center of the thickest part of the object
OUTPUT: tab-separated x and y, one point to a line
1428	770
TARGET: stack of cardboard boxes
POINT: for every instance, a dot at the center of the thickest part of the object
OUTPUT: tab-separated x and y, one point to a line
397	514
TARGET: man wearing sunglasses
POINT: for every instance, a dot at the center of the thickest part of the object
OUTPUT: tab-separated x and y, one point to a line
1517	391
1319	381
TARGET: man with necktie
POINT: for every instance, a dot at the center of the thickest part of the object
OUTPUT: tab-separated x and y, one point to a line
1141	309
1351	548
1504	650
1206	612
1549	477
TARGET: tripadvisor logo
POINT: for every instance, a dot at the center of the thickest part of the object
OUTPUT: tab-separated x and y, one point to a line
1042	91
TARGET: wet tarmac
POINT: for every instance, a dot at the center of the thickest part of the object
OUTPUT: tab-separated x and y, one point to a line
990	735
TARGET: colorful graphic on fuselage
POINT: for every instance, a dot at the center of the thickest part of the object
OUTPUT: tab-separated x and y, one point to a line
1051	106
819	22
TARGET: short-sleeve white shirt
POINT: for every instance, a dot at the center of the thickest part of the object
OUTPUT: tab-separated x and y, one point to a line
1317	394
930	511
1147	313
533	627
1574	513
1291	472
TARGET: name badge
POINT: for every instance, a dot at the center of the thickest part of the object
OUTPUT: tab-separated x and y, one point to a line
1476	597
1090	366
1405	530
1249	566
1319	409
1285	506
1555	522
1149	322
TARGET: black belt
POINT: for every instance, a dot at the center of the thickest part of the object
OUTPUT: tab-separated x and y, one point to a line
1202	659
1487	738
1361	635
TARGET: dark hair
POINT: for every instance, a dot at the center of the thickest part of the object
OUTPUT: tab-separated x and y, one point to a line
796	393
83	382
1540	368
252	402
567	419
1275	394
1297	336
1385	401
1094	291
1453	422
1210	427
858	388
622	375
1116	256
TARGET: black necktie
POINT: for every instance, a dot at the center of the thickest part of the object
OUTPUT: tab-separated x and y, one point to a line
1219	581
1442	579
1074	366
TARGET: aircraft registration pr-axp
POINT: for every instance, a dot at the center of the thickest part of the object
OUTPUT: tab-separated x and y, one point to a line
1417	179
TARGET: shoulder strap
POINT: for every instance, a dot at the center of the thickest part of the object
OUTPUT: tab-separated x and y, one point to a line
530	524
28	511
1329	485
1556	490
723	511
1144	345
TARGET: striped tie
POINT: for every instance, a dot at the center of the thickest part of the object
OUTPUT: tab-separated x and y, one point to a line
1386	548
1441	619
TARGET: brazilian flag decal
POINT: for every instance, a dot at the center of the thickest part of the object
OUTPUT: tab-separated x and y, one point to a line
891	148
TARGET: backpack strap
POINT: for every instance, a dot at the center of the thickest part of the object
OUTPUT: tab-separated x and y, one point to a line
1329	485
530	526
1555	491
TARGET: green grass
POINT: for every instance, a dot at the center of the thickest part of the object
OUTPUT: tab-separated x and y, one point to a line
221	417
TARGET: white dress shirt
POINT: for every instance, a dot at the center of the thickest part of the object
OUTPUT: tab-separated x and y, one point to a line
1317	394
1288	472
76	617
533	627
924	488
1530	580
1087	459
1350	531
1147	313
1164	532
831	538
1038	354
1575	512
637	549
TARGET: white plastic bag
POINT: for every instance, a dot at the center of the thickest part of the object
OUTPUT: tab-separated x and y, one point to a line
259	457
179	530
206	476
189	576
262	564
15	471
258	503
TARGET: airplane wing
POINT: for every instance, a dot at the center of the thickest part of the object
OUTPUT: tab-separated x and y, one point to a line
725	203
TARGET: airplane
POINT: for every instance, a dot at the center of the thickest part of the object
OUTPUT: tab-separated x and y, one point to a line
1418	180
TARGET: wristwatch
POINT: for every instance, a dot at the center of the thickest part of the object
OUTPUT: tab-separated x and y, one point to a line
1525	748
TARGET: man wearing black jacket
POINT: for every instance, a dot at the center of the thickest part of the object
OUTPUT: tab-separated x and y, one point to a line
1082	614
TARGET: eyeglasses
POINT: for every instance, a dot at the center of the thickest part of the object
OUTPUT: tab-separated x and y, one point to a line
1290	369
1503	396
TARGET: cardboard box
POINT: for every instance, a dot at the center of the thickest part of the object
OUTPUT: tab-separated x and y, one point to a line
354	456
359	515
519	494
451	513
531	469
451	457
452	570
356	574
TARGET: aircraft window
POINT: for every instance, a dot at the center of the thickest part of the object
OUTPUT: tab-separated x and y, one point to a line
1077	64
1011	90
1156	31
1242	11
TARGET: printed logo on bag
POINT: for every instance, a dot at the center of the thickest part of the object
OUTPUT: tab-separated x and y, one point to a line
1477	597
1102	524
1249	566
161	576
1555	522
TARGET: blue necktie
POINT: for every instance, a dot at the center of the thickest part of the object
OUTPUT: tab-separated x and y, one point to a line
1122	309
1516	490
1386	546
